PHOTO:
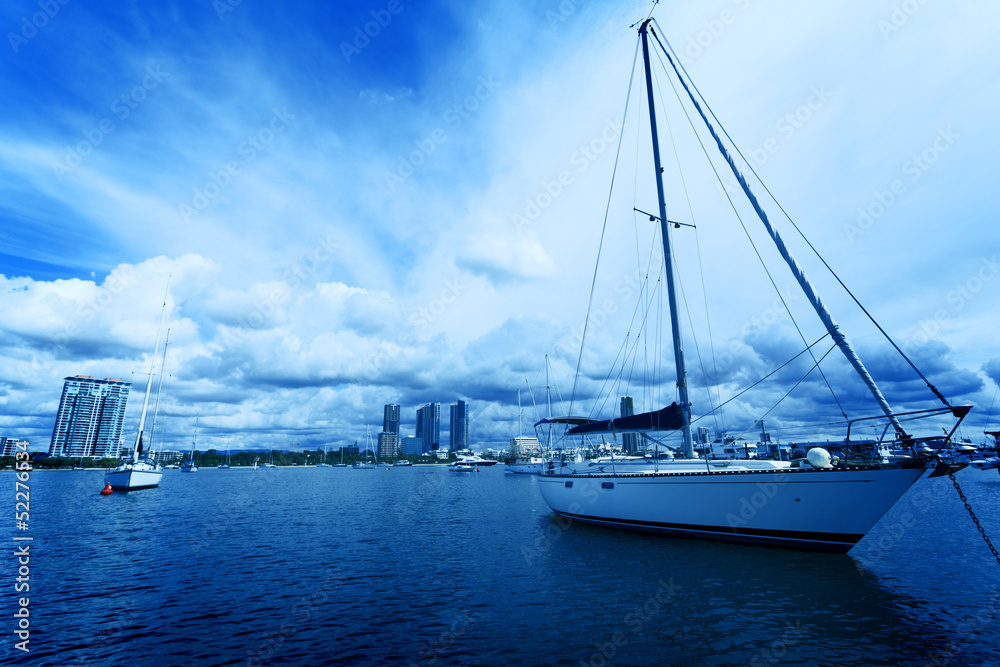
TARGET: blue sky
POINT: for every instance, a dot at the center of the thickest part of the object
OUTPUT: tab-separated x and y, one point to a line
340	211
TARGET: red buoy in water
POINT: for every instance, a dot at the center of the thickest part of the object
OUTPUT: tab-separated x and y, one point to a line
106	491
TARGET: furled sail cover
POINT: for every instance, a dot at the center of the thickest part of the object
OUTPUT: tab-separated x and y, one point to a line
670	418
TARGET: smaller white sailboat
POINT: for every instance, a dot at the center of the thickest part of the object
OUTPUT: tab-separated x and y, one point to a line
270	460
140	472
366	464
341	464
323	463
225	466
525	454
189	466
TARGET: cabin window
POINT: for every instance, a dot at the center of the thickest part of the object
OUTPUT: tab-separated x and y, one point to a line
607	485
569	485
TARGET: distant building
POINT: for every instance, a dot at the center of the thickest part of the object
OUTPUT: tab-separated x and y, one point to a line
168	456
10	446
351	450
411	445
630	441
390	421
459	430
429	426
91	418
388	445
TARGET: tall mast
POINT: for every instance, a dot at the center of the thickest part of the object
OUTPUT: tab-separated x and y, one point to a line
159	385
149	383
668	265
831	326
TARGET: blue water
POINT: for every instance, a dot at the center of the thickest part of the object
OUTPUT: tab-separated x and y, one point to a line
317	566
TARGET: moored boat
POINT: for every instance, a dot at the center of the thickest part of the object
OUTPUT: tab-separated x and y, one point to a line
817	502
139	471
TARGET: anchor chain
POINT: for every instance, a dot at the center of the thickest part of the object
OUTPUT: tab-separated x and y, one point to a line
975	519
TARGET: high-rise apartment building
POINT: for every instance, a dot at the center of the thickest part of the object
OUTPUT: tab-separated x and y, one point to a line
390	422
91	418
410	445
429	426
11	446
459	430
388	445
630	441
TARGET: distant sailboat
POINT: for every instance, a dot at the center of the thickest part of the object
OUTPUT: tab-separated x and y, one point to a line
366	464
140	472
323	463
341	464
225	466
525	454
270	460
189	466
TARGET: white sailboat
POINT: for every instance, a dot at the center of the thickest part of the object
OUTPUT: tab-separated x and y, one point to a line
819	502
189	465
270	460
323	463
341	464
525	454
139	471
226	466
366	464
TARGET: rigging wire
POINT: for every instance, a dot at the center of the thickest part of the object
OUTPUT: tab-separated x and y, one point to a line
701	266
933	389
604	227
738	394
743	225
795	386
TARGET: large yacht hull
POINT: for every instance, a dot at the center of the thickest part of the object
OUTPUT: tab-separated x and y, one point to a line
131	479
803	508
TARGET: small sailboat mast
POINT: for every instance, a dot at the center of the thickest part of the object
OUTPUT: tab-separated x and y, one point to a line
137	452
675	330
